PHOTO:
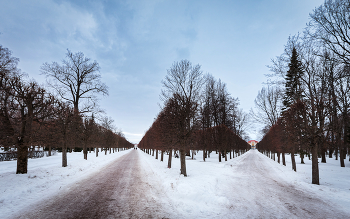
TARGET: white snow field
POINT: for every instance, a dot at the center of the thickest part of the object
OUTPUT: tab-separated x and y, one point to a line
248	186
254	186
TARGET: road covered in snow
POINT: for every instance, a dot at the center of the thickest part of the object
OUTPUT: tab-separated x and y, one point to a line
133	184
118	190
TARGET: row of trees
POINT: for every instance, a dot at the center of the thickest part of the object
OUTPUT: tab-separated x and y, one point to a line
309	102
198	114
32	116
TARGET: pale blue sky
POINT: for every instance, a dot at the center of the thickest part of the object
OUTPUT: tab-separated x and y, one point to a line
135	42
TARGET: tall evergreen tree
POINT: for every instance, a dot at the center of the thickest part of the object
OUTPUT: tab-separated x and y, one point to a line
293	80
293	94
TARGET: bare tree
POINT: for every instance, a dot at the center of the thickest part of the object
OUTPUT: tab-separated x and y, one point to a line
33	104
241	121
63	122
107	123
268	105
76	79
183	84
8	63
330	24
8	69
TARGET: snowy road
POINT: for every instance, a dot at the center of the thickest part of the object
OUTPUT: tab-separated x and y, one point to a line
117	191
136	185
261	193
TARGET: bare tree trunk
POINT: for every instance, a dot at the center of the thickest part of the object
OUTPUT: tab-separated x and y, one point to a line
315	172
153	152
336	152
294	166
219	156
225	155
204	153
278	157
106	149
183	162
85	151
169	159
230	154
64	148
283	159
49	150
323	153
22	158
302	157
157	154
342	156
330	155
96	152
161	155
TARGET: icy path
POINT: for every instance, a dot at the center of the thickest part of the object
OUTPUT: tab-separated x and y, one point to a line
119	190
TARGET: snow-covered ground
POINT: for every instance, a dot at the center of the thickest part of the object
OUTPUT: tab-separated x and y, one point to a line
211	190
45	178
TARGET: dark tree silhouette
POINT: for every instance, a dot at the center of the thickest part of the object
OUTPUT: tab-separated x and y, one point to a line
76	79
